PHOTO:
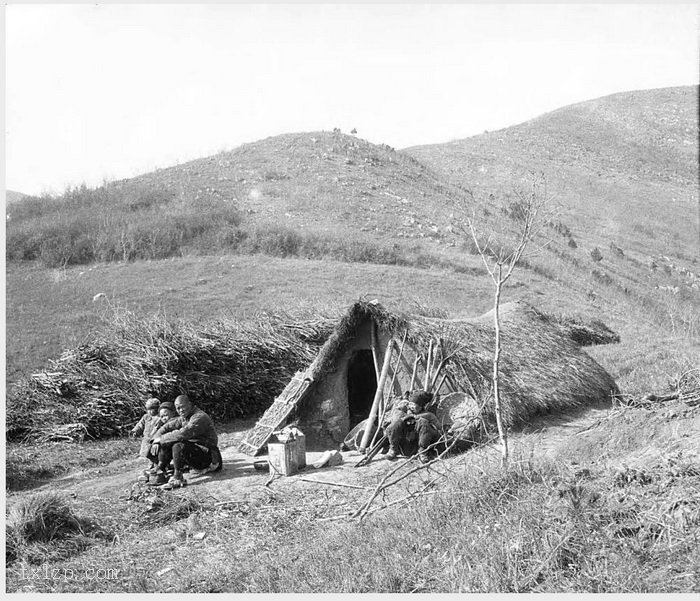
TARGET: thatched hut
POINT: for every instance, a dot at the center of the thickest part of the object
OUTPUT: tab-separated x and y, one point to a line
542	370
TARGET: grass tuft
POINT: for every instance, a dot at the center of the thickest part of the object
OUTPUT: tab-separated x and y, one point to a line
43	526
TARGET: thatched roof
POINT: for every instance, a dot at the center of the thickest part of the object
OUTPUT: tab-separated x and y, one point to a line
235	369
542	369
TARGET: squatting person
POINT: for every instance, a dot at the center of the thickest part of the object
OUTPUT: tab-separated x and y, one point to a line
188	440
166	412
412	429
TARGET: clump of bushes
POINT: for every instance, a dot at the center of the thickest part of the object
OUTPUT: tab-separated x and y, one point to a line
112	224
616	250
123	224
282	241
602	277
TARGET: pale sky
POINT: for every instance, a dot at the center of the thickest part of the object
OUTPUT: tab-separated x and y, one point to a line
105	91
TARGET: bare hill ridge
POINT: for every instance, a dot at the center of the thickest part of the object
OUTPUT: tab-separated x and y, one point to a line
650	134
324	181
624	168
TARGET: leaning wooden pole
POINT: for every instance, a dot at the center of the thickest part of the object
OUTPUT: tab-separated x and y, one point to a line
384	405
428	365
367	435
373	346
439	386
374	336
415	373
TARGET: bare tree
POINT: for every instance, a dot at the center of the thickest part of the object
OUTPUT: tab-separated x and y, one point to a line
524	218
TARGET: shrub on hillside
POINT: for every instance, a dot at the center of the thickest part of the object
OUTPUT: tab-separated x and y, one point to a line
616	250
561	228
516	210
126	224
22	243
602	277
108	224
278	241
596	255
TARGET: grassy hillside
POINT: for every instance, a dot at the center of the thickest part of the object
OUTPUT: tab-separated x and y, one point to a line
623	170
623	167
49	310
291	195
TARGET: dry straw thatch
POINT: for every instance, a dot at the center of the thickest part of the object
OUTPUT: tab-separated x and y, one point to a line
542	367
236	368
230	368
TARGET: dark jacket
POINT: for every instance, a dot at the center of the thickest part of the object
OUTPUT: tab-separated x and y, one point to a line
197	428
403	409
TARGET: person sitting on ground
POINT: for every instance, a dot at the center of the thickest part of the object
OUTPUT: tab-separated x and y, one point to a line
166	412
146	426
412	429
188	440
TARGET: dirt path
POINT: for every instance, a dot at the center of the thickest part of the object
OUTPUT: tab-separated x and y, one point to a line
240	481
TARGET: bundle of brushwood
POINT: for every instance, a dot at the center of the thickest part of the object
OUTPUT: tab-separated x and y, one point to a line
229	368
686	388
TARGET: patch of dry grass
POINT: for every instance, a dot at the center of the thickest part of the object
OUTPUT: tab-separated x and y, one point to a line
43	527
541	526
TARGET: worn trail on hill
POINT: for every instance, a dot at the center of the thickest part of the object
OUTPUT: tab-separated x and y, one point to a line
240	481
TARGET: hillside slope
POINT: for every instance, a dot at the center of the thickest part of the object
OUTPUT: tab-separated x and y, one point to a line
320	181
624	167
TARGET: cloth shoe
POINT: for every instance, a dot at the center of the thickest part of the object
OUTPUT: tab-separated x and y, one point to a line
157	479
146	474
425	456
175	482
391	453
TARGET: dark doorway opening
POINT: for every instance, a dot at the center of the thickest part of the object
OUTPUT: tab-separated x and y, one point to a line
362	385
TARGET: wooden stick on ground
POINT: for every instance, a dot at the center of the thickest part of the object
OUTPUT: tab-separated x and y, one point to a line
333	483
372	452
